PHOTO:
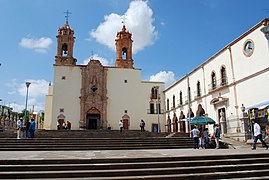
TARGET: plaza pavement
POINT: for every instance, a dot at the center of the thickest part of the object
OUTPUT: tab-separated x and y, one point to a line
107	154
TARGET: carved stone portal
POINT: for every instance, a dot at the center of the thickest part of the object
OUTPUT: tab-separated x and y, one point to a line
93	100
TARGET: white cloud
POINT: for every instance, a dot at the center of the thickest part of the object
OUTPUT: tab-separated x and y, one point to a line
138	21
39	45
36	89
103	61
167	77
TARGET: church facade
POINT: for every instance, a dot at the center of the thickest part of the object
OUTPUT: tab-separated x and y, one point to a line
231	86
94	96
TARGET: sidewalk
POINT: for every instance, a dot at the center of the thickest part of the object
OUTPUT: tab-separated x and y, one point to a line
233	144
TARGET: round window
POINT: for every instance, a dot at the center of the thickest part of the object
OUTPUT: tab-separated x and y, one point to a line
248	48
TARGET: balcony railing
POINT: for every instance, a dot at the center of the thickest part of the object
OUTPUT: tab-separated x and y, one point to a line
218	84
155	111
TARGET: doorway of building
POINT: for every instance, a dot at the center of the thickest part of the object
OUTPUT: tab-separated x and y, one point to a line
222	120
154	128
125	124
93	121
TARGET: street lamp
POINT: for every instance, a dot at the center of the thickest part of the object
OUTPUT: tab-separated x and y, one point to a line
27	86
158	108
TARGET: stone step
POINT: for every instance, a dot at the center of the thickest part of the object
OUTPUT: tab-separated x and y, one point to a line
127	165
192	167
228	171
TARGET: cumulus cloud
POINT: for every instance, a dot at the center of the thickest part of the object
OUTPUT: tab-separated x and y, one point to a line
36	89
103	61
167	77
139	21
39	45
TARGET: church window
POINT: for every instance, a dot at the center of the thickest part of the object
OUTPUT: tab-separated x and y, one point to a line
151	106
167	104
61	110
198	89
154	92
213	80
174	101
180	98
125	81
125	111
63	77
64	49
223	76
124	53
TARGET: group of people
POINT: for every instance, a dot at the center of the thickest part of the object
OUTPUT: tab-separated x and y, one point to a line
142	125
201	137
26	130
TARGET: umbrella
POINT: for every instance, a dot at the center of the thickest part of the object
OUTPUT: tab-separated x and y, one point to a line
202	120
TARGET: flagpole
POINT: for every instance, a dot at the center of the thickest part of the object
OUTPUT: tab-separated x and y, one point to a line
189	105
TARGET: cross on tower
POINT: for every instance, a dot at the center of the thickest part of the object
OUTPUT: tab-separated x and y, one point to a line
124	19
67	16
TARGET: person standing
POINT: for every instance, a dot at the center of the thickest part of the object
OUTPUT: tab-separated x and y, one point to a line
216	135
195	135
121	125
32	129
142	125
257	135
19	123
206	137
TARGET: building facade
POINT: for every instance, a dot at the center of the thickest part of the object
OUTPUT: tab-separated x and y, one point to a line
94	96
227	85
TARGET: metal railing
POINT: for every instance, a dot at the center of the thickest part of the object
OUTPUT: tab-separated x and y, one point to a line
218	84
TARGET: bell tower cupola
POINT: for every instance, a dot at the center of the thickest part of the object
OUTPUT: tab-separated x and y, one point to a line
124	49
65	45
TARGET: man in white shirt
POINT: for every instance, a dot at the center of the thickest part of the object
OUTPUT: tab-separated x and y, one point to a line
121	125
257	135
195	133
19	124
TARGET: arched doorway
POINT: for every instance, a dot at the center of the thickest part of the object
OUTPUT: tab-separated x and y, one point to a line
60	121
93	119
126	121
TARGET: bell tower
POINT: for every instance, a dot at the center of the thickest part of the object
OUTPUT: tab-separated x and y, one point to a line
65	45
124	49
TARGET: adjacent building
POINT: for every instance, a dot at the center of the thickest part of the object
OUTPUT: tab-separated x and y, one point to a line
231	86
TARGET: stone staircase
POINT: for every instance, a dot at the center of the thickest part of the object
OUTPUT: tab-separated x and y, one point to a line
232	166
94	140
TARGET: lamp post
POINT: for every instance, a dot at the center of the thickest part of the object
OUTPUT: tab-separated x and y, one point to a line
158	108
27	86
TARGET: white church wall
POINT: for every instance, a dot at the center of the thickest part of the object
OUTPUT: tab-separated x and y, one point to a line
128	95
48	108
67	85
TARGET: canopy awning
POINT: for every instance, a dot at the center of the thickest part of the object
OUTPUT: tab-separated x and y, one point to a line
259	106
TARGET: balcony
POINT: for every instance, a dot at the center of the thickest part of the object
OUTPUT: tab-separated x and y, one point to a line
155	111
217	85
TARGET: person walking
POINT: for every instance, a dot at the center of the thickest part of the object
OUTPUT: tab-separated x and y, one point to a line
257	135
19	124
121	125
195	135
32	129
216	135
142	125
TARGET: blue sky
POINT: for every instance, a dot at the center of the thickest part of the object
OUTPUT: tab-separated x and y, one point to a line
171	37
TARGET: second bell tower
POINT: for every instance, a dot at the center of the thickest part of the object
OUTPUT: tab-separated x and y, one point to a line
124	49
